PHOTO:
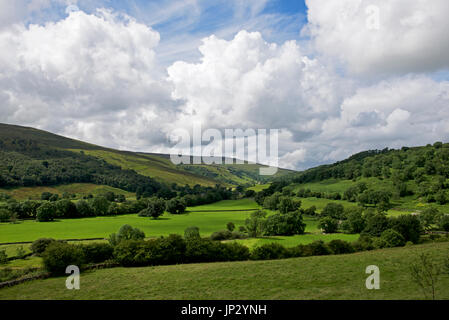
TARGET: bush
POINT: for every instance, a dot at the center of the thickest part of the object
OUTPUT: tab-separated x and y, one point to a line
269	251
363	243
317	248
393	238
3	257
380	243
59	255
328	224
46	212
192	233
38	246
235	252
5	215
230	226
170	250
408	226
204	250
126	232
340	247
97	252
227	235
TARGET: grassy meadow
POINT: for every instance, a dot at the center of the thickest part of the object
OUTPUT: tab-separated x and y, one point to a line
319	277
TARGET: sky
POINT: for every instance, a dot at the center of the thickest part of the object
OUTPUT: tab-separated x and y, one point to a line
334	77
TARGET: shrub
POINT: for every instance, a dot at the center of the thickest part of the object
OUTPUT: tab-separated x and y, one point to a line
408	226
328	224
192	233
310	211
235	252
269	251
20	252
443	222
226	235
230	226
5	215
393	238
126	232
3	257
340	247
38	246
203	250
380	243
363	243
46	212
97	252
59	255
221	235
317	248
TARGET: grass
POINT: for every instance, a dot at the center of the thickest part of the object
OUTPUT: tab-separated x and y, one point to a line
97	227
321	277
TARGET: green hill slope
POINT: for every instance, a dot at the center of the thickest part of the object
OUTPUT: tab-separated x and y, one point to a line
31	146
320	277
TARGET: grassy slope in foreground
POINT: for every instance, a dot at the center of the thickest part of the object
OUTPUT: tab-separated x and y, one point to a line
325	277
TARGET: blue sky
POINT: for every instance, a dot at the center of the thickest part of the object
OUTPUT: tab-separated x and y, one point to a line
182	24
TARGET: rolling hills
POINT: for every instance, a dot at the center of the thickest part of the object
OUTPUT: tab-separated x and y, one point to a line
32	157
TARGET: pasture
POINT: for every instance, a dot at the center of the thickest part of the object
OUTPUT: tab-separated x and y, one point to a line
319	277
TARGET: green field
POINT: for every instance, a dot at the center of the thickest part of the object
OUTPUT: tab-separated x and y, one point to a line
321	277
209	218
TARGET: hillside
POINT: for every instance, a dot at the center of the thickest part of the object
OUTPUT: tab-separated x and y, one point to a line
320	277
410	177
32	157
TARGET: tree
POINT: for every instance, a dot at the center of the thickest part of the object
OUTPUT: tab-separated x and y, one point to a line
443	221
83	209
176	206
393	238
333	210
408	226
100	206
155	208
66	208
255	225
426	274
46	212
354	223
287	204
376	223
126	232
328	224
286	224
428	217
441	197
